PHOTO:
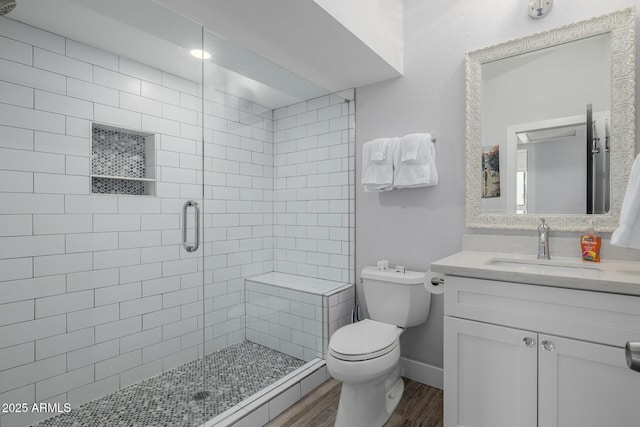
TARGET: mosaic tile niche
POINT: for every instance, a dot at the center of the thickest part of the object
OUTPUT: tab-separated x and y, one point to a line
122	161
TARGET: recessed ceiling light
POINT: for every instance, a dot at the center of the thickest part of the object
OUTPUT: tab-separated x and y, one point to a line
200	54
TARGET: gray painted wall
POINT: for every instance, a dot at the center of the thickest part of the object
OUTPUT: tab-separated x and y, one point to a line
415	227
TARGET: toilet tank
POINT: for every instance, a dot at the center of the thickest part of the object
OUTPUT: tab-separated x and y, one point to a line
399	299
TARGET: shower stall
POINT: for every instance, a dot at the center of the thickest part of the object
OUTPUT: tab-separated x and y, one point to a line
176	221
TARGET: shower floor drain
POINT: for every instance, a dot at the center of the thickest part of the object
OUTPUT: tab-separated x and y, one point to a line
201	395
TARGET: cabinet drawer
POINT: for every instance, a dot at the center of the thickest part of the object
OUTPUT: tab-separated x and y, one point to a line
611	319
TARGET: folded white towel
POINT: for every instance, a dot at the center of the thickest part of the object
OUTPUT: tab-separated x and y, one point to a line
377	164
378	150
628	233
377	188
409	148
415	162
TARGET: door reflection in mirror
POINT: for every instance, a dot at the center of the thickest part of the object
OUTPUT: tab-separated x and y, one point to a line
534	103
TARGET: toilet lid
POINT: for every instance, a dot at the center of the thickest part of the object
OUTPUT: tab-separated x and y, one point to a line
363	340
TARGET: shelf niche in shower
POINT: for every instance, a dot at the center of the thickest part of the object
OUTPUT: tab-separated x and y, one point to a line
122	161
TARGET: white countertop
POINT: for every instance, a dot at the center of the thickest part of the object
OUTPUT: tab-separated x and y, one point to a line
620	277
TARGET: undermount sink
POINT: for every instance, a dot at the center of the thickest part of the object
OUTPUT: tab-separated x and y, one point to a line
610	275
547	267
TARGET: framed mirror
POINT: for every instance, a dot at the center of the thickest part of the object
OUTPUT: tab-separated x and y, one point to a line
550	126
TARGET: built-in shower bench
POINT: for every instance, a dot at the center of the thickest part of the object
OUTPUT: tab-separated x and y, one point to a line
296	315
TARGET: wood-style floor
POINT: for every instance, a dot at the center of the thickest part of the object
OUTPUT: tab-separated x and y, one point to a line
420	406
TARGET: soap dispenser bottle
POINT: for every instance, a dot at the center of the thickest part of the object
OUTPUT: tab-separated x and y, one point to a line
590	243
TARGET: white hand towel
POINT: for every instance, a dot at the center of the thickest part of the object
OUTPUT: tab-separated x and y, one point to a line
628	233
378	150
419	167
410	145
377	164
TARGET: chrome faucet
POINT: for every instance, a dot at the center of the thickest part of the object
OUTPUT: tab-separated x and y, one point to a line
543	240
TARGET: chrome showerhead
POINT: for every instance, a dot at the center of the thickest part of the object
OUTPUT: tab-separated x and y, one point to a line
7	6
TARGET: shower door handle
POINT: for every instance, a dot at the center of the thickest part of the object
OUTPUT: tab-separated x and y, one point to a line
196	244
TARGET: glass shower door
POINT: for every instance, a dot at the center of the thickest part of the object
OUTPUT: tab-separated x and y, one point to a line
265	206
101	275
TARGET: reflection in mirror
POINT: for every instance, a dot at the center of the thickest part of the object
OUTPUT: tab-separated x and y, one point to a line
535	107
551	126
551	171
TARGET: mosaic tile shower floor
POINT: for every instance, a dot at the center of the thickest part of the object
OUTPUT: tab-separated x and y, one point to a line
233	374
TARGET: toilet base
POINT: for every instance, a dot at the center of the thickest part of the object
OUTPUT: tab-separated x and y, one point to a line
369	404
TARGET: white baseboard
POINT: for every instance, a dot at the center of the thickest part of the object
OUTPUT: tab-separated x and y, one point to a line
422	372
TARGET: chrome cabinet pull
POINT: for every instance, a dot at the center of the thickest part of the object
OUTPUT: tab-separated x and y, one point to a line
547	345
191	247
529	342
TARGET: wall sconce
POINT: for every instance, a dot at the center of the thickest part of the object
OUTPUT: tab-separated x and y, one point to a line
539	8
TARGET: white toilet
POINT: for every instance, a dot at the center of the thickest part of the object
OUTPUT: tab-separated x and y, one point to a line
365	355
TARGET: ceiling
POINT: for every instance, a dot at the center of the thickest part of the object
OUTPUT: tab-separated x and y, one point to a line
315	52
297	34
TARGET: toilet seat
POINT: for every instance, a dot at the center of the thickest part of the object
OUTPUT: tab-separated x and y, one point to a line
363	340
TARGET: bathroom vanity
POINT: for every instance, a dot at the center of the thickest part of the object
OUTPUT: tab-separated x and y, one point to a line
539	343
542	343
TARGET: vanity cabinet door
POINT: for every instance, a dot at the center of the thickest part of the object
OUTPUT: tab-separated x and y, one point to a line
583	384
490	375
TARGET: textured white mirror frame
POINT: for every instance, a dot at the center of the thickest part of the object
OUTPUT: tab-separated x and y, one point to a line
621	26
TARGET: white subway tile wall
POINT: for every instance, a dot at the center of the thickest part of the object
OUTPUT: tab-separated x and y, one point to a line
313	208
95	290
